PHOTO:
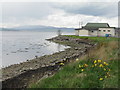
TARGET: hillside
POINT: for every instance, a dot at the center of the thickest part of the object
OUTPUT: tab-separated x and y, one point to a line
37	28
97	69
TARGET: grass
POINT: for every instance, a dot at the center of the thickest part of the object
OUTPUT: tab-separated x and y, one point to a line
73	75
94	39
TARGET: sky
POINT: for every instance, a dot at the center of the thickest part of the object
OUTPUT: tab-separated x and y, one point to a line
58	13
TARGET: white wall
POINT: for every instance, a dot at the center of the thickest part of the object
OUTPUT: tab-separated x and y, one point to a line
93	33
77	32
83	32
102	33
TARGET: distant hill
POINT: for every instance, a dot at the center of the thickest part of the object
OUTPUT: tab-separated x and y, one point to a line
37	28
7	29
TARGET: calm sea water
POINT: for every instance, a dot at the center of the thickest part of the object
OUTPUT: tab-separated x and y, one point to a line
19	46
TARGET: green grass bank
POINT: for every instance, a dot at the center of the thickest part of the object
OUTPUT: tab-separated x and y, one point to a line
97	69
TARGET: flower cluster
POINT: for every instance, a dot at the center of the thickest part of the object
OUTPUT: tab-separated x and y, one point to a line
104	72
82	67
100	68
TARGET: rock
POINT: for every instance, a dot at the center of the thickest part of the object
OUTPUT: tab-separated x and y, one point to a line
26	48
52	64
36	56
43	66
30	68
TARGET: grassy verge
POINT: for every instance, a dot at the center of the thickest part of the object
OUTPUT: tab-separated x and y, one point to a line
97	69
94	39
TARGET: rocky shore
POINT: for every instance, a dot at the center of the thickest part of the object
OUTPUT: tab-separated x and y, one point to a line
23	74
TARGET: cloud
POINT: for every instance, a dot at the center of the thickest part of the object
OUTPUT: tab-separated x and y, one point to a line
63	19
57	14
25	10
59	1
106	9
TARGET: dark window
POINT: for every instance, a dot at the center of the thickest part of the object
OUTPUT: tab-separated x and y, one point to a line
92	31
99	30
104	30
108	30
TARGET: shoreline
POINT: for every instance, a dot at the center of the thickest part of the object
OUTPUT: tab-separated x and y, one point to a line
45	65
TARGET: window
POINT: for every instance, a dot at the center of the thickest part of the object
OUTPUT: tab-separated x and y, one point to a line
108	30
104	30
92	31
99	30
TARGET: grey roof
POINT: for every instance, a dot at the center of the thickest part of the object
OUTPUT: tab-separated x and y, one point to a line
95	26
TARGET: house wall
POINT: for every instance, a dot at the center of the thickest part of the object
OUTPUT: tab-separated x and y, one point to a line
93	33
77	32
83	32
104	31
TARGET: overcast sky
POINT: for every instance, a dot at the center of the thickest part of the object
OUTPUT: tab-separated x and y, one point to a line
58	14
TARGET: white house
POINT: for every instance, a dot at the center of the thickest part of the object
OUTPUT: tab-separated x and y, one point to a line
96	29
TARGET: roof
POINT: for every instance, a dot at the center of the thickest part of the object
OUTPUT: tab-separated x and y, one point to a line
95	26
79	28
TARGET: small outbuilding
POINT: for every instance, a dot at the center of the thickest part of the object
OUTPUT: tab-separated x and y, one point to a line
96	29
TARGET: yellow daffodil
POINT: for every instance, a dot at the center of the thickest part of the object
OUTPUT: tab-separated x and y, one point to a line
105	63
77	59
101	79
100	65
104	69
95	64
92	65
61	63
105	76
109	70
82	69
99	61
80	66
95	61
107	73
85	65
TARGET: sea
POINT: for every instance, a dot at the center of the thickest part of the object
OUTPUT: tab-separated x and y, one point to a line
19	46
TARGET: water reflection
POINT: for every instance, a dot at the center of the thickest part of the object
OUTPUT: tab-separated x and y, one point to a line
19	46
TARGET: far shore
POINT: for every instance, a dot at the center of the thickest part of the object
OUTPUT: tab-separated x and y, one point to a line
24	73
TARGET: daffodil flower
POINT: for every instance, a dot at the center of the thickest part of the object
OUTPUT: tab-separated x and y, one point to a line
104	69
80	66
109	75
95	64
105	76
100	65
95	61
85	65
105	63
82	69
101	79
99	61
77	59
61	63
